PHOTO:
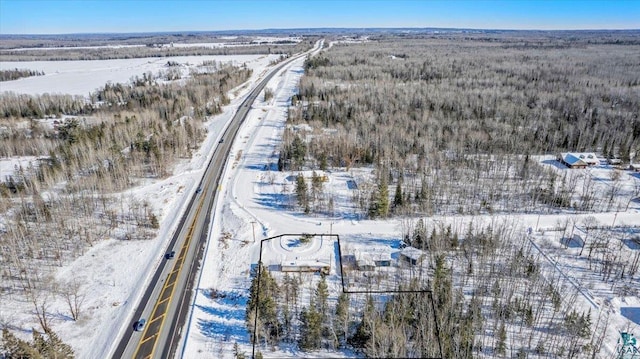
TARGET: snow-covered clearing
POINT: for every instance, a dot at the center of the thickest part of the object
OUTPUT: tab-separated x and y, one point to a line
119	46
114	273
11	166
257	204
214	45
217	320
83	77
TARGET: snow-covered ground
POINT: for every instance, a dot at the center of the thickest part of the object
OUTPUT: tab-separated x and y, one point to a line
12	166
254	206
250	209
83	77
119	46
112	272
214	45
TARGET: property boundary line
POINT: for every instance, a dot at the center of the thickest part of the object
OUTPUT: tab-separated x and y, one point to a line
344	290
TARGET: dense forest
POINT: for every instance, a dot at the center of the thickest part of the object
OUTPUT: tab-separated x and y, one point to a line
452	124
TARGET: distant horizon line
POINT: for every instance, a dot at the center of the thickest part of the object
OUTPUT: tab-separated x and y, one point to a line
311	29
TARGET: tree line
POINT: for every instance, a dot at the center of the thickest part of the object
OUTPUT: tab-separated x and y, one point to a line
108	53
14	74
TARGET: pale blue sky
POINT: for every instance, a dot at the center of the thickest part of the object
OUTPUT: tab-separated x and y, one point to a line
99	16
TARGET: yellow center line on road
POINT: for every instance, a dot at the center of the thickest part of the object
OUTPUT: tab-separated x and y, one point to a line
157	318
175	273
148	338
164	300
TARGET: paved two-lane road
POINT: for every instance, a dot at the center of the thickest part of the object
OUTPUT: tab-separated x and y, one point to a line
165	303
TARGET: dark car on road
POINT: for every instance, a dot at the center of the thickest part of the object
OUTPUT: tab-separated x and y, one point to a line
139	325
170	255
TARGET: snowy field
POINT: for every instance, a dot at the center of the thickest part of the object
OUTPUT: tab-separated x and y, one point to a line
257	203
113	273
83	77
214	45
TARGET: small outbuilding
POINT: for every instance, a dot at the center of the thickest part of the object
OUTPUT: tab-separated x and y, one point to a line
365	264
382	262
614	161
412	255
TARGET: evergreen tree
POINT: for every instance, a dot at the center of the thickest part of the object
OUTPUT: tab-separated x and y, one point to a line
43	346
578	325
236	351
424	191
316	183
282	161
501	346
266	304
58	349
321	296
379	203
39	343
310	329
322	158
17	348
298	152
398	198
316	186
301	191
364	331
419	238
383	190
55	348
342	318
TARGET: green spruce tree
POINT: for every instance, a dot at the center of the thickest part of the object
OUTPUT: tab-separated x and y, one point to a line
302	192
341	320
310	329
264	293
